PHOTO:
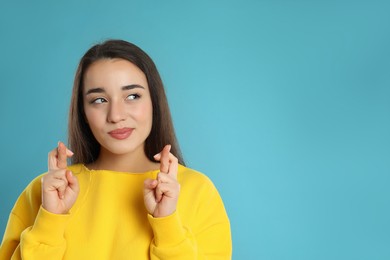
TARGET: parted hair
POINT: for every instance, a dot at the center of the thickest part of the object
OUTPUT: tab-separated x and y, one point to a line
81	140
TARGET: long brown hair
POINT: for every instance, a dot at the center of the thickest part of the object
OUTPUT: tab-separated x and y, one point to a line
81	140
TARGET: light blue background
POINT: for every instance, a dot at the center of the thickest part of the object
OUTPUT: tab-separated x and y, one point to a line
285	105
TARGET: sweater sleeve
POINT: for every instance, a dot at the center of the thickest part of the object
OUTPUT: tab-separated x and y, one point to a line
9	248
45	239
206	236
31	231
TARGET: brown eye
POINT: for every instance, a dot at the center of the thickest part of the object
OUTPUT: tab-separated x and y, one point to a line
133	97
98	101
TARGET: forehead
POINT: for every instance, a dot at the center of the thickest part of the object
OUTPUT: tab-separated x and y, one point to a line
113	72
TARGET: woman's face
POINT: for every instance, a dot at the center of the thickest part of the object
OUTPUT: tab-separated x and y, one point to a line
118	106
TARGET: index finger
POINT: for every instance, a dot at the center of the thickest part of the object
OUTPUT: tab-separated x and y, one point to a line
52	160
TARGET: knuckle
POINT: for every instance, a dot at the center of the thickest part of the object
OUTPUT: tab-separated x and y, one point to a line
53	152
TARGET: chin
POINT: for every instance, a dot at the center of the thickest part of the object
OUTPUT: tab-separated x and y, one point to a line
125	149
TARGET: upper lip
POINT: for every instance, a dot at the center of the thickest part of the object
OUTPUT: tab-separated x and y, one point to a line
121	130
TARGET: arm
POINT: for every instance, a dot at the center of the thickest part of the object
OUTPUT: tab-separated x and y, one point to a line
36	231
206	237
32	232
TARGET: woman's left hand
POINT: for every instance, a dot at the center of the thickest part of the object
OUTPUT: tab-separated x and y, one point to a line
161	194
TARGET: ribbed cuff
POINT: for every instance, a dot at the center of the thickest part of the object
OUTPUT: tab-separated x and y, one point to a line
168	231
49	227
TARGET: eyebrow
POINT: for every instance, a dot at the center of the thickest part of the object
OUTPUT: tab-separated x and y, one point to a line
101	90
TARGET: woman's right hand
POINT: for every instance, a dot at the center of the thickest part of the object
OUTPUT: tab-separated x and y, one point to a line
60	187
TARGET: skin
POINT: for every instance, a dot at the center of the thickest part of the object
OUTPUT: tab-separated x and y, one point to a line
60	187
161	195
116	96
110	104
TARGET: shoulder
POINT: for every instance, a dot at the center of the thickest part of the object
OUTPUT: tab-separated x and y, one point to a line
33	189
29	201
35	185
198	188
185	173
77	168
193	178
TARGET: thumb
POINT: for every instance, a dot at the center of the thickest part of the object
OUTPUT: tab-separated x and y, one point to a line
73	183
150	184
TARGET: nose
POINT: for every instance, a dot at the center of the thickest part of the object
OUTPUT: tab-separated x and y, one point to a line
116	112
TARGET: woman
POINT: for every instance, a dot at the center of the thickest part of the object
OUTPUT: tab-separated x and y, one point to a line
127	194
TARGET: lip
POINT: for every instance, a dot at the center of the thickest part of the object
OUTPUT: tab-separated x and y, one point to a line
121	133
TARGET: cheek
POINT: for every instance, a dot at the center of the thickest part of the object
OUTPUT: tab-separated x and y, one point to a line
144	113
92	117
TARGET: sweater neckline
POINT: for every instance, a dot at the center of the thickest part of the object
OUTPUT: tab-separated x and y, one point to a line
85	168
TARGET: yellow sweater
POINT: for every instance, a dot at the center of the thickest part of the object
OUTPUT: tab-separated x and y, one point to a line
109	221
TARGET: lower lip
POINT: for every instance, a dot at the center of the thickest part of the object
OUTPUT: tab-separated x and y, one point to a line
122	134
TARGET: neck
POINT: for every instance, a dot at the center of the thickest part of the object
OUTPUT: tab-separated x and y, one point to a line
135	163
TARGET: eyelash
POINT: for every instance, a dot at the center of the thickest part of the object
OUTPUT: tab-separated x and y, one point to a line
136	96
95	101
102	100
